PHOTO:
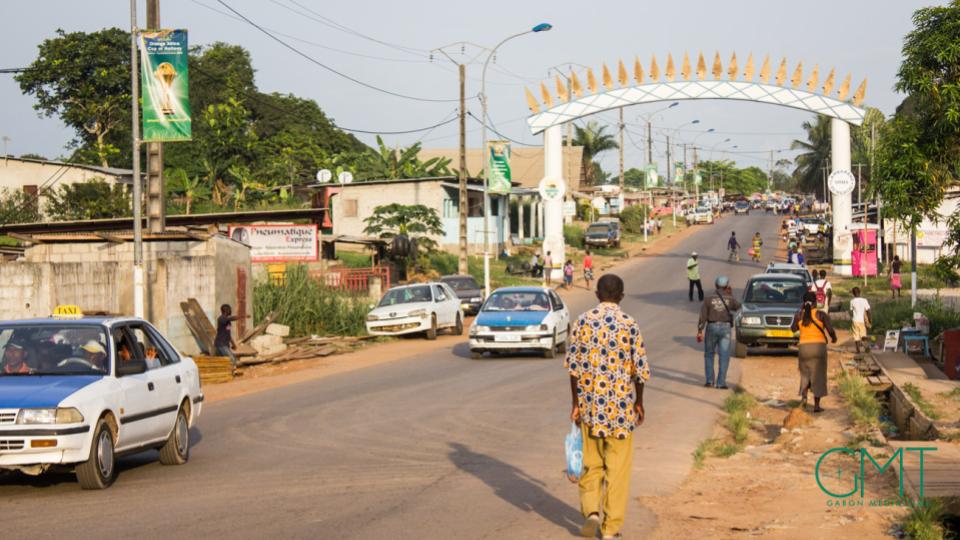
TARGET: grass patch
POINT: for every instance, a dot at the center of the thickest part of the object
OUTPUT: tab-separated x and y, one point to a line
738	402
308	307
921	402
700	453
953	394
926	520
354	259
864	405
726	450
738	406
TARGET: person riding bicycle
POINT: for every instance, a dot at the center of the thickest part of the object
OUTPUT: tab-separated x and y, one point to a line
757	243
734	247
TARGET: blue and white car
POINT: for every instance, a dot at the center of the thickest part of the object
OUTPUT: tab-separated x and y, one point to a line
78	392
521	319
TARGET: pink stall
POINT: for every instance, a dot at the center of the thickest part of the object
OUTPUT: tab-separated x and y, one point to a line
865	252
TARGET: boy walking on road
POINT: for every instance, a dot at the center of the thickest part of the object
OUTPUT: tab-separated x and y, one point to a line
608	368
693	274
860	316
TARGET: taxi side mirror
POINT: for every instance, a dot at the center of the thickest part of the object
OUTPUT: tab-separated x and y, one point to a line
131	367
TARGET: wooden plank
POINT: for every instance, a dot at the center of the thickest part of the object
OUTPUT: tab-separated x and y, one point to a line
258	329
208	327
195	318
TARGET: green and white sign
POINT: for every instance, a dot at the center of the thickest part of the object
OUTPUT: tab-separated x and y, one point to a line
678	173
164	86
697	179
498	167
651	178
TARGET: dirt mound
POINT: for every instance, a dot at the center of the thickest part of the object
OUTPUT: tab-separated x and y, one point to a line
797	418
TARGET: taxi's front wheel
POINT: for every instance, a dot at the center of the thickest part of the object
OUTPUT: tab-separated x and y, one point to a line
99	471
176	451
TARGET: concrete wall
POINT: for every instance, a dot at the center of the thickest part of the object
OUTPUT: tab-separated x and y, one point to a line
98	276
15	174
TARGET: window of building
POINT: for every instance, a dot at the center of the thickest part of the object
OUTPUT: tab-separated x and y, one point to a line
450	209
350	208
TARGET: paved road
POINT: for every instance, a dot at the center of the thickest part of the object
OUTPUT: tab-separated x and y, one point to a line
429	447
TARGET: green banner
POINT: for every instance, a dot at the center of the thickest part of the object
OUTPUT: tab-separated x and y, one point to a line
678	174
164	86
650	177
498	168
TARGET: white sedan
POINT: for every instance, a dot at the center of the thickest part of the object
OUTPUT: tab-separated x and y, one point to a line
421	307
521	319
79	391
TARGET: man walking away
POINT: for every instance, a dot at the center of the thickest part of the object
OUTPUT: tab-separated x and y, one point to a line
693	275
223	343
608	368
716	317
824	292
860	309
548	269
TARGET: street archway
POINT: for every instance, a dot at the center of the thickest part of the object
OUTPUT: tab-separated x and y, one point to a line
788	88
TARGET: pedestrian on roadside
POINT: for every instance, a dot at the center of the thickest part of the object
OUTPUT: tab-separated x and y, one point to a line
587	269
814	326
798	256
548	269
895	283
659	225
568	274
860	317
223	342
757	243
823	291
693	275
716	318
608	367
536	266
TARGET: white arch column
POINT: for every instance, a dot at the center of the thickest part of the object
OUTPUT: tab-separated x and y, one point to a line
553	207
842	204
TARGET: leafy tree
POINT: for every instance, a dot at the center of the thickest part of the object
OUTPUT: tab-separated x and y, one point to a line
413	221
734	179
601	176
633	177
18	207
594	141
904	176
815	156
227	140
391	163
84	79
93	199
33	156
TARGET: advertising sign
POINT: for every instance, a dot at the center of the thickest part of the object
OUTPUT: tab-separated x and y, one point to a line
678	173
164	86
498	168
569	209
552	189
278	243
651	177
841	182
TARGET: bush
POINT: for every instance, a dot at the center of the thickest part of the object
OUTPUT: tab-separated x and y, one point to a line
864	405
308	307
894	315
444	263
632	219
926	520
573	236
353	259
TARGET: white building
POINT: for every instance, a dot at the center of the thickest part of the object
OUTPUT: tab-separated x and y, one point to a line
37	177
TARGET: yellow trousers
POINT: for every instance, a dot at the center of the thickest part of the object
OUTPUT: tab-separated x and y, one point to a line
606	462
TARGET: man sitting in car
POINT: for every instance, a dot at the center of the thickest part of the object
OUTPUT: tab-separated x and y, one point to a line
94	353
15	357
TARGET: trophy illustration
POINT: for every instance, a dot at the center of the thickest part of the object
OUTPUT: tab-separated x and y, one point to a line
165	73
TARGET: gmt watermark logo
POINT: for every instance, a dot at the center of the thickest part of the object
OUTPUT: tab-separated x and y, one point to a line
845	485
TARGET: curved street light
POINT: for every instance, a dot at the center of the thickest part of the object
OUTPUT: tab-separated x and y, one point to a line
542	27
647	118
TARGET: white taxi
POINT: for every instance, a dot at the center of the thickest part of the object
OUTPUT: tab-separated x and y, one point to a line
78	392
516	319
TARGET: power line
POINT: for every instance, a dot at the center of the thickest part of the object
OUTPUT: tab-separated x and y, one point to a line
494	129
328	68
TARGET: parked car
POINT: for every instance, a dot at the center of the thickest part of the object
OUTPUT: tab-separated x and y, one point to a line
421	307
76	392
769	304
700	214
771	205
603	233
468	290
794	269
741	207
521	319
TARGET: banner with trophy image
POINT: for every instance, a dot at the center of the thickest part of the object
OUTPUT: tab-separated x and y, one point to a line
164	86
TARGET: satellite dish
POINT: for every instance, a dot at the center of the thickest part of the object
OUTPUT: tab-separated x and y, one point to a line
345	177
324	176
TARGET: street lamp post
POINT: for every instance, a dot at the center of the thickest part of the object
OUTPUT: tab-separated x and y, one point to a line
647	118
542	27
696	163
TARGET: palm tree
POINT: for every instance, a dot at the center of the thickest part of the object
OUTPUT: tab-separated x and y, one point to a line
594	141
815	157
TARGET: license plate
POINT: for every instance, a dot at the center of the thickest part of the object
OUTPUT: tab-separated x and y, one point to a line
780	333
507	338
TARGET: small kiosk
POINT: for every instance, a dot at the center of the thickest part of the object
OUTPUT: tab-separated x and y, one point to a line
864	252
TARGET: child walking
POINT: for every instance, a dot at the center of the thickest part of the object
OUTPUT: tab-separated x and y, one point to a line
568	274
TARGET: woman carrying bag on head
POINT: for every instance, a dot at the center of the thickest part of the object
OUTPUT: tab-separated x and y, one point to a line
814	327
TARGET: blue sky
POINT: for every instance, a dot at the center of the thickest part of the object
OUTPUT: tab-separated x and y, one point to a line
387	44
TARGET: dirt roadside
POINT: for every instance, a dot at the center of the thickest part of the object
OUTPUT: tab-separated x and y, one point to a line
266	377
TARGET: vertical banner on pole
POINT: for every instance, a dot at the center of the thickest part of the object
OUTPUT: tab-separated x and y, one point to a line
650	177
498	154
165	86
678	174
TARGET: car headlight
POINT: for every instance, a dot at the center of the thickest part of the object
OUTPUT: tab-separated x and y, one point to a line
751	321
476	299
481	329
372	317
422	313
537	328
67	415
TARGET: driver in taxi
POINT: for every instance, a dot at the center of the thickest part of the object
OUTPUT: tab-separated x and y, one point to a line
15	357
94	353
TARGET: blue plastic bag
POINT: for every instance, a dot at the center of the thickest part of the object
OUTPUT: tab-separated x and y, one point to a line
574	449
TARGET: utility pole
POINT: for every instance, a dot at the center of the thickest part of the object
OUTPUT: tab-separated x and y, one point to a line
696	173
462	175
138	294
770	176
669	165
156	213
649	143
620	126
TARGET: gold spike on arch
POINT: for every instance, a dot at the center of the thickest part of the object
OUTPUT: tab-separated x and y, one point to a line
637	70
732	68
797	75
765	70
828	84
575	85
547	98
622	73
562	91
844	89
591	81
701	67
654	69
671	71
531	101
685	68
717	66
781	73
859	94
607	78
748	71
814	79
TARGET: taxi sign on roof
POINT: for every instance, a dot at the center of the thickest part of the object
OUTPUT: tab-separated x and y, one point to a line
67	312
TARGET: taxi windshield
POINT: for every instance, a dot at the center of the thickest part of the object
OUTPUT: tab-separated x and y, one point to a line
775	291
52	349
517	301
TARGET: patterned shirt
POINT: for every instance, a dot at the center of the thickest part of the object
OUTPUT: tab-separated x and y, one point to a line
606	355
